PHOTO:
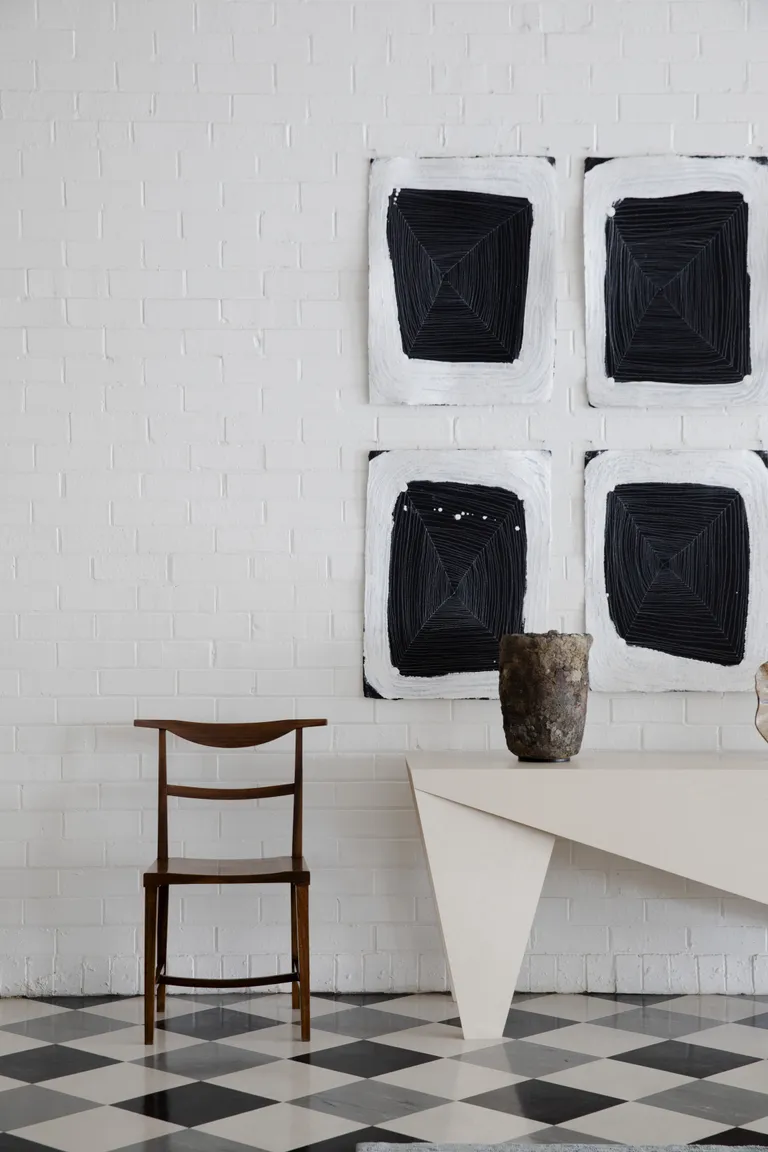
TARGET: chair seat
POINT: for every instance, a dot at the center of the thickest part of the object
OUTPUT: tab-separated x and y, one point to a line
188	870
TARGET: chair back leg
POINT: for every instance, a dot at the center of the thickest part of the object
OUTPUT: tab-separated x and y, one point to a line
302	902
150	961
294	949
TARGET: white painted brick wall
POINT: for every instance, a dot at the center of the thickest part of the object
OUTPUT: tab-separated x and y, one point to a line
186	427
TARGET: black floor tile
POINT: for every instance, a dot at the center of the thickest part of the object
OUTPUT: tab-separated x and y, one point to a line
9	1143
545	1102
759	1021
216	1023
736	1136
187	1140
685	1059
206	1061
349	1141
76	1001
361	999
661	1022
521	1024
194	1104
38	1064
641	999
365	1058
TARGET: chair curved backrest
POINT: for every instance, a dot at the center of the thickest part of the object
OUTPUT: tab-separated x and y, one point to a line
228	736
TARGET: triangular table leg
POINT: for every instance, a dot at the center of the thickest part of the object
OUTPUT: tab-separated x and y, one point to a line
487	874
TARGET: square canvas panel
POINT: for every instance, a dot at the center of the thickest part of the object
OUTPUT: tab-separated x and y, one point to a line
457	554
676	575
676	265
462	280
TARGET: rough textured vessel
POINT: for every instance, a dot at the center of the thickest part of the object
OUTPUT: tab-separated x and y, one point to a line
543	686
761	687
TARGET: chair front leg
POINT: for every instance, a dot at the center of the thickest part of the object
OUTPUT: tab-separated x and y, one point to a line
162	942
150	961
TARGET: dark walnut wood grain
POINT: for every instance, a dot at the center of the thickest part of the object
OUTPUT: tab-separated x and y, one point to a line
167	870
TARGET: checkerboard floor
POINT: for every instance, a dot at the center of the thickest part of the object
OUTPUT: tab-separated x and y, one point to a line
229	1073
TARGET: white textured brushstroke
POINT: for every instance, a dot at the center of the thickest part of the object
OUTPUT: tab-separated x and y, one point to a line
527	474
614	665
396	379
654	176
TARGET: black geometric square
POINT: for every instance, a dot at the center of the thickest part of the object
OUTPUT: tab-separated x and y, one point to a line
215	1023
38	1064
677	289
457	576
365	1058
192	1105
685	1059
677	569
548	1103
460	263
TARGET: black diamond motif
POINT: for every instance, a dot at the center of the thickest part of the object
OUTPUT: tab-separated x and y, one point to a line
677	289
365	1058
677	569
38	1064
194	1104
457	576
215	1023
460	263
548	1103
685	1059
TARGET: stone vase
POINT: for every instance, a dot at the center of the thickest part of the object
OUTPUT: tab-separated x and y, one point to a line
543	686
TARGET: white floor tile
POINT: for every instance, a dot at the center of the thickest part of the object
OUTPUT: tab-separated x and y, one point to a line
116	1082
580	1009
435	1040
451	1079
725	1008
98	1130
613	1078
738	1038
128	1043
593	1040
460	1123
753	1077
280	1127
285	1080
427	1007
636	1123
14	1011
10	1042
132	1009
284	1041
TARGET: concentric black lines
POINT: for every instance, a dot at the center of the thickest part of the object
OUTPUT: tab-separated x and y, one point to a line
677	289
457	576
460	262
677	569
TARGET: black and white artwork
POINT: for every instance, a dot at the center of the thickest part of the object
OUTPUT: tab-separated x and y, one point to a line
462	280
676	263
677	591
457	548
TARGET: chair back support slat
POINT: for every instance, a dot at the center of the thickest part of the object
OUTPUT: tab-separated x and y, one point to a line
231	793
228	736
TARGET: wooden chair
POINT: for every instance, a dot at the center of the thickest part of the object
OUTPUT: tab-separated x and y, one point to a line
178	870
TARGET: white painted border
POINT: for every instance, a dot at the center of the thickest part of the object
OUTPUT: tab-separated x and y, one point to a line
396	379
653	176
527	474
614	665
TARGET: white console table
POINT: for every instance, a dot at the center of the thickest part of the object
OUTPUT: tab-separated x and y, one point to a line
489	822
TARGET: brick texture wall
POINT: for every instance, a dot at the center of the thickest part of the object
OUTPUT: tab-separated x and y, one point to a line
185	432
